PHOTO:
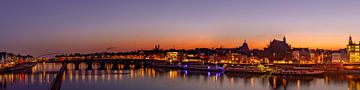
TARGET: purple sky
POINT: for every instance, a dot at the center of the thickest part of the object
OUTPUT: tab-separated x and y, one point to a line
43	26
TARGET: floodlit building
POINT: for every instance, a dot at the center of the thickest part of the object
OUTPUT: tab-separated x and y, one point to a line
2	58
339	56
301	55
236	58
172	56
2	55
336	57
353	51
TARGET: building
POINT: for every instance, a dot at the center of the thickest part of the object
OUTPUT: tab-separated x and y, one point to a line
344	55
301	56
237	58
244	49
239	55
278	52
336	57
172	56
314	56
326	56
2	54
2	58
157	48
339	56
353	51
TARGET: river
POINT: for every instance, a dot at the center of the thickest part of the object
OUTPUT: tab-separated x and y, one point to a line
41	75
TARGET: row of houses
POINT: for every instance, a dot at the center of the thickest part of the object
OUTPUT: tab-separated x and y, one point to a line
8	59
281	52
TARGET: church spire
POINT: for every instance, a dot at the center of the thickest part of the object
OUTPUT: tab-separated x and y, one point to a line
284	39
350	40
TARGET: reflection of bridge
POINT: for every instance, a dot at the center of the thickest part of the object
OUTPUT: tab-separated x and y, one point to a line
138	63
102	62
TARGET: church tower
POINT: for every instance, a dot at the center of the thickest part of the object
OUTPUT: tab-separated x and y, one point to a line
284	39
350	40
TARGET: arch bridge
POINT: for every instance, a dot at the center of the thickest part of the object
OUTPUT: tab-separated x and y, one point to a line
137	63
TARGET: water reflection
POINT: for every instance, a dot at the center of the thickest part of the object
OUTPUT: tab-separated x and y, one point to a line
157	78
40	76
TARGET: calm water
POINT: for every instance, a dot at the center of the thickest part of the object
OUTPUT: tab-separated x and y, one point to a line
42	74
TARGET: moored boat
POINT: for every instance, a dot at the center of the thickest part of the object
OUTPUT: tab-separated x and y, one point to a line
166	65
297	72
244	69
202	67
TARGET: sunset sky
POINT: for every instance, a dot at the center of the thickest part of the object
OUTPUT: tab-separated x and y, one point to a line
43	26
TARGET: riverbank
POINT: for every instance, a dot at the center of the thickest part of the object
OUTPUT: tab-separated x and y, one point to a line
17	68
303	69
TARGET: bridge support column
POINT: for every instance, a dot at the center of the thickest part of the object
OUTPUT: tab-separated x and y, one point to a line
145	64
137	65
126	65
115	66
89	66
102	66
77	65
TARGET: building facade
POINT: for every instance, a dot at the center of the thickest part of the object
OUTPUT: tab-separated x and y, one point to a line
353	51
336	57
301	56
278	52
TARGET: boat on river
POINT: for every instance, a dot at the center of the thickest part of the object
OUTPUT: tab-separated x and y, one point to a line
298	71
244	69
203	67
166	65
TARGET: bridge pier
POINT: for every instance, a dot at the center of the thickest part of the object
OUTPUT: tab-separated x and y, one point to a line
102	66
115	66
145	64
77	65
89	66
137	65
126	66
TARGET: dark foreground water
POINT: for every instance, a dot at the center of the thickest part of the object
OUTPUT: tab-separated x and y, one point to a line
40	77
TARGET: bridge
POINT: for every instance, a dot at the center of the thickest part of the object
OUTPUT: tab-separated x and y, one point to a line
114	62
137	63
